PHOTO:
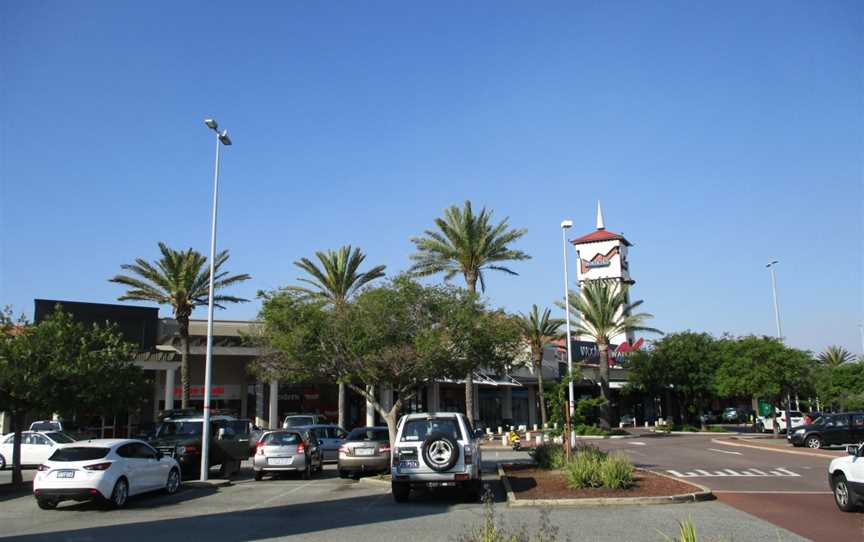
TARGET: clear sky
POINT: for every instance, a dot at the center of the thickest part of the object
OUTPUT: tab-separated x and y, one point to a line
717	136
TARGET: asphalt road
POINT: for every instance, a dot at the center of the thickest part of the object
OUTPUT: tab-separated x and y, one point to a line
329	508
786	489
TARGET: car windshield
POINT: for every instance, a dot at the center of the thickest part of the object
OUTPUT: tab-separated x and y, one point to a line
171	429
282	439
60	438
364	434
45	426
79	453
418	430
297	421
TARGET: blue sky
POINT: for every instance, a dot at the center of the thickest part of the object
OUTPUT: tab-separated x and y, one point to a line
718	137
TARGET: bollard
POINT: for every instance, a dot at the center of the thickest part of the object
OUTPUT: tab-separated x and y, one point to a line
535	426
504	440
500	430
538	439
528	435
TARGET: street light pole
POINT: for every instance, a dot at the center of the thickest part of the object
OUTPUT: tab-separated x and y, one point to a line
565	225
771	266
221	139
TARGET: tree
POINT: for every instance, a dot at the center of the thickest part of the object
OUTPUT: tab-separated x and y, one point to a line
602	311
834	356
62	365
468	244
334	283
400	335
538	331
840	387
682	363
180	278
761	367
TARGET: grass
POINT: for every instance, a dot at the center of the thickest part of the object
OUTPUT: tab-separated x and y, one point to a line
548	456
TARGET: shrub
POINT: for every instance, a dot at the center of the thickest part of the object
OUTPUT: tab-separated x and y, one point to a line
548	456
494	529
583	470
687	532
616	472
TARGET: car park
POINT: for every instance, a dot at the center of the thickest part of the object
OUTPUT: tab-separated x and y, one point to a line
435	450
330	438
36	446
301	420
846	479
180	436
366	449
830	430
287	451
108	470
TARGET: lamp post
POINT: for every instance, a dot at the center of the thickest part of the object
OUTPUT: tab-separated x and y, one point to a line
771	265
221	139
566	225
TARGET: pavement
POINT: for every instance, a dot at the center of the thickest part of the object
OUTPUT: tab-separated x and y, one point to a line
330	508
789	490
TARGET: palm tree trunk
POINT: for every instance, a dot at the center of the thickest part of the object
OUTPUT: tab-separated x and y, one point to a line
604	384
342	405
471	280
183	321
539	365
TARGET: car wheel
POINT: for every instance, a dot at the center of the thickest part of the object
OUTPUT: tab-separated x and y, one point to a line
343	473
842	496
119	495
172	486
46	504
760	427
2	462
401	491
440	452
814	442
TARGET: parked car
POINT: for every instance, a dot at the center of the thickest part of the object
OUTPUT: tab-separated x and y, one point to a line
830	430
366	449
36	447
300	420
255	434
180	437
287	450
714	416
765	424
731	415
846	479
109	470
627	419
331	438
434	450
810	417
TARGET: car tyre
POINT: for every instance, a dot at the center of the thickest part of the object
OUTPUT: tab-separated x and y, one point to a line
842	496
259	475
46	504
434	445
172	485
343	473
2	462
813	442
119	495
401	491
760	427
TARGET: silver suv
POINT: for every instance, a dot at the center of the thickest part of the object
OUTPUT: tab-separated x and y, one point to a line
435	450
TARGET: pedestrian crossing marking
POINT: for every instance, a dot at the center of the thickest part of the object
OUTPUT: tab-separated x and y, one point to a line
777	472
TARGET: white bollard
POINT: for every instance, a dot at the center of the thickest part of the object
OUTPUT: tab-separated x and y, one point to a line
528	435
488	430
535	426
500	430
538	439
646	425
504	440
620	425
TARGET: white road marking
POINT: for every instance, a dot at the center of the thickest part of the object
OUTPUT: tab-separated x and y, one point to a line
778	472
724	451
779	492
636	443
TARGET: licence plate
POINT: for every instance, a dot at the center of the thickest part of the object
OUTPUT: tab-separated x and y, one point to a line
66	474
364	451
440	484
409	464
280	461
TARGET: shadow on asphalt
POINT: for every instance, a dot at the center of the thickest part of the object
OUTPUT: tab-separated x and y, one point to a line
9	491
147	501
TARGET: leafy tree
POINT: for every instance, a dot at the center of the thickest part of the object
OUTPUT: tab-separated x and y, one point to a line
334	283
834	356
180	278
62	365
468	244
602	310
761	367
538	331
840	386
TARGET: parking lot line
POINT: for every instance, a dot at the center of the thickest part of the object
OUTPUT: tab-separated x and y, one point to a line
280	495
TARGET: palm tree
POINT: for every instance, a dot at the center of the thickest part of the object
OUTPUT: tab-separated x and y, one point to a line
468	244
602	311
180	278
539	330
334	283
835	356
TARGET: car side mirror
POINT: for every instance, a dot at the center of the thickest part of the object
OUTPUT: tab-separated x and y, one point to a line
852	449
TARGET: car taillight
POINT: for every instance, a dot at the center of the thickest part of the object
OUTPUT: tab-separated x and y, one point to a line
469	455
41	468
98	466
301	448
384	449
259	448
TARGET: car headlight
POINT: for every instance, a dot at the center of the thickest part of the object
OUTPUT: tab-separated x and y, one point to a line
180	450
799	431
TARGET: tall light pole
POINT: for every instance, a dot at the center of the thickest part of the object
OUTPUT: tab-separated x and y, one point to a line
771	266
566	225
221	139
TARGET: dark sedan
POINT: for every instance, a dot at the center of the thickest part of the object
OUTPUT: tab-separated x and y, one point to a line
830	430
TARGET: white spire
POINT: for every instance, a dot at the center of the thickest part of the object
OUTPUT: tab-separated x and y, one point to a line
600	224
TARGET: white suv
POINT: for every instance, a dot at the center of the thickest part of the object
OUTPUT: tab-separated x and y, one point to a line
434	450
846	477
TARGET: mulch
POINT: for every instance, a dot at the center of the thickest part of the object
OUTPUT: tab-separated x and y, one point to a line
529	482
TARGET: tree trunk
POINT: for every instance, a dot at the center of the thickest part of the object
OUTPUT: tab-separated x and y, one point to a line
183	322
17	427
391	417
471	281
539	366
775	426
605	422
342	405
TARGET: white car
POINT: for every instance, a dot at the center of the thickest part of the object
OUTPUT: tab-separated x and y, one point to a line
109	470
846	478
765	424
36	447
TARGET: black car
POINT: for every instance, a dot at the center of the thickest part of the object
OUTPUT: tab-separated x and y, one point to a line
830	430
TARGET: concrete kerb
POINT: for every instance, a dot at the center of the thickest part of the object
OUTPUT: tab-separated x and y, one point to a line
374	481
209	484
773	449
704	494
604	437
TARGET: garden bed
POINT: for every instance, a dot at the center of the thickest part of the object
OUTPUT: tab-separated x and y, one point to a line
528	483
